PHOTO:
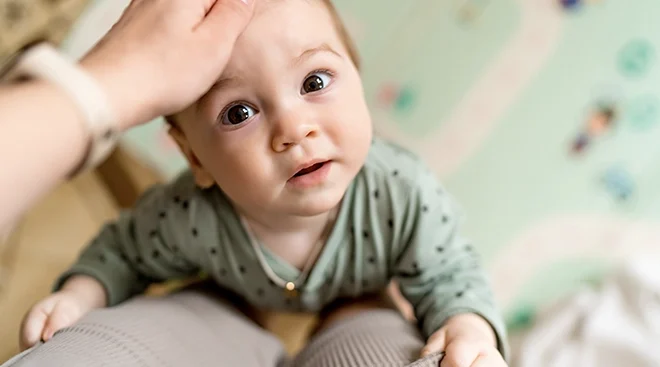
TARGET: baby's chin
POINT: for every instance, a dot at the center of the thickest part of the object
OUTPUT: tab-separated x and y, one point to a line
315	204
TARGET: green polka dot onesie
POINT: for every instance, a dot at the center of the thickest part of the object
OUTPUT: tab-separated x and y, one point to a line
395	222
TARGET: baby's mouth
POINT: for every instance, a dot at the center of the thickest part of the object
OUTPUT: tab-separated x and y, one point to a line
310	169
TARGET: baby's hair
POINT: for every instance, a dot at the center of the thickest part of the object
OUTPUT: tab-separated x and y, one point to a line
343	35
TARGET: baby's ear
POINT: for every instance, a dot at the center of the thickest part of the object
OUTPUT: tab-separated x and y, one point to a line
203	179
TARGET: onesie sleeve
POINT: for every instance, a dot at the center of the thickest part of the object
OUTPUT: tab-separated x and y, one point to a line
150	243
437	269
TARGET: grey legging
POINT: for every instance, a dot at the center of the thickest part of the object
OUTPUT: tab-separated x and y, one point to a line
194	328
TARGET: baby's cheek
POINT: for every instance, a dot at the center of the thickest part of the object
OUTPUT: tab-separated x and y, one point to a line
357	131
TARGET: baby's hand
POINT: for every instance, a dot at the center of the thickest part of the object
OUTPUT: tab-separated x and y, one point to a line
79	295
468	341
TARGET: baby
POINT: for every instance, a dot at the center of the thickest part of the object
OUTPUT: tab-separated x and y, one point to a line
290	201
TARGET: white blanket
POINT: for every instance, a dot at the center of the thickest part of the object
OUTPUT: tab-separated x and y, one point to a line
617	325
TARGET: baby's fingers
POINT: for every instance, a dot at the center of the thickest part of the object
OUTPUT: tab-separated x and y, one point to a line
432	347
489	360
63	315
32	327
435	343
461	354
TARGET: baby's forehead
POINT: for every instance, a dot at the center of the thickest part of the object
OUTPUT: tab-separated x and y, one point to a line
265	6
291	25
277	38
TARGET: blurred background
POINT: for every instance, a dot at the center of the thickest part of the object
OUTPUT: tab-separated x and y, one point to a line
540	116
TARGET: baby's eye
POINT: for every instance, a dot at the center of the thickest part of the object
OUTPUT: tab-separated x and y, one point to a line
316	82
237	114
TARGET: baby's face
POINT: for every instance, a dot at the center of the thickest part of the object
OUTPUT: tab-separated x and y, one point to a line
286	128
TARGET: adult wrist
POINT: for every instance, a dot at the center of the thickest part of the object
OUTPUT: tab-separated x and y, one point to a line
128	85
41	61
121	95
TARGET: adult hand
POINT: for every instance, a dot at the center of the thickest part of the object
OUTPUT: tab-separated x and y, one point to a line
162	55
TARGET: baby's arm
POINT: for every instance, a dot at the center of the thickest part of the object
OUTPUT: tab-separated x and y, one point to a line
439	273
153	242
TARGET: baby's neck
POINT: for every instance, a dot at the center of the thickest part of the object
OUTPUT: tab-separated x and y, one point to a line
292	238
282	224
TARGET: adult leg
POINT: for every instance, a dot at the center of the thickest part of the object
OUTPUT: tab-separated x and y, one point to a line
193	327
367	332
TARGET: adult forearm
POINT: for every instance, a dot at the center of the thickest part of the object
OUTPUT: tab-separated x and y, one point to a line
48	140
